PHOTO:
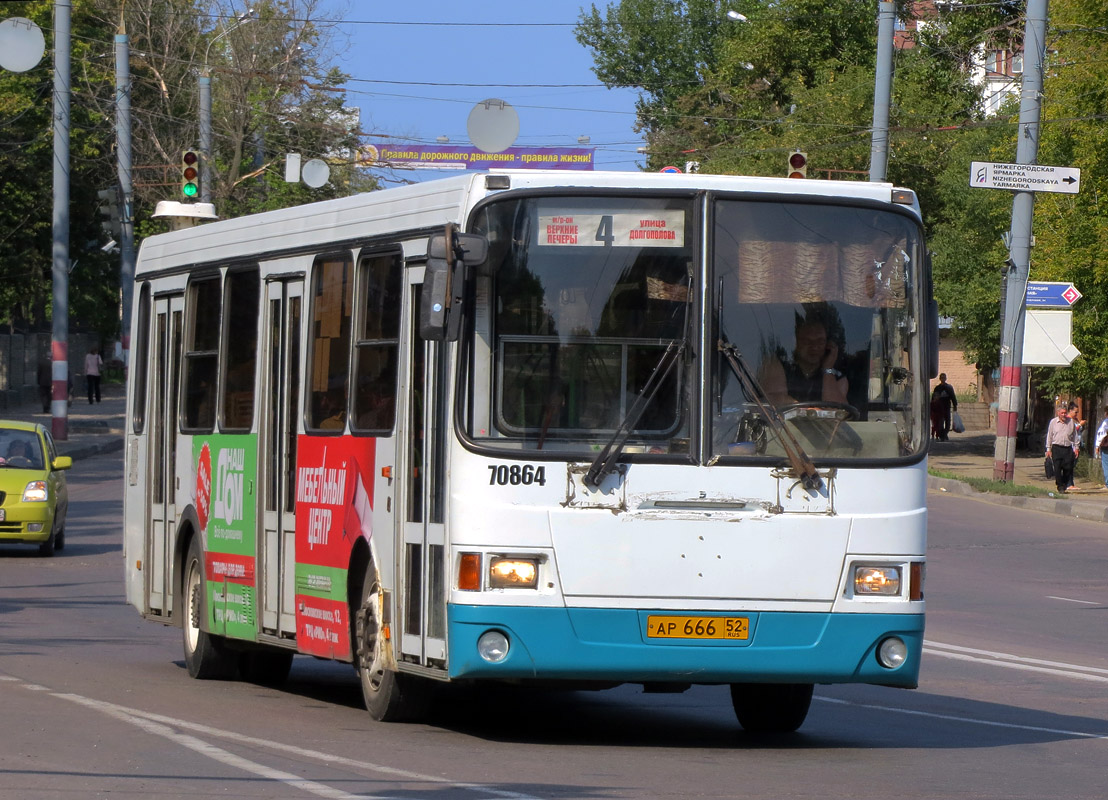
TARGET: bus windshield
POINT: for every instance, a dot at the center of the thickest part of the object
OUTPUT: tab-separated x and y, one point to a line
582	297
588	295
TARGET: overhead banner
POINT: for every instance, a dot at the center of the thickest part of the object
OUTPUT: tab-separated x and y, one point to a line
410	156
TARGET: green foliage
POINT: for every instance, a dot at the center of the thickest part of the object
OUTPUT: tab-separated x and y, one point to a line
1071	231
272	94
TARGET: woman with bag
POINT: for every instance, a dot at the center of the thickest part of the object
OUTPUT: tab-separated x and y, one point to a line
1101	448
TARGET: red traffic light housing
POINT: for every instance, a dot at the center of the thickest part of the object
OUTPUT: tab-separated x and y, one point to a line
190	174
798	165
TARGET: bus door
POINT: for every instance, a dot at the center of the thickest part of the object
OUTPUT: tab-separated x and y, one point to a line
161	518
277	453
422	438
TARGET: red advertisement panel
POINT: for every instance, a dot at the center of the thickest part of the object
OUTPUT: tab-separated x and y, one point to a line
334	480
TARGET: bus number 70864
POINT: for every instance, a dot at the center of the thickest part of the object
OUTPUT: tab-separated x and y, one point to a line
516	475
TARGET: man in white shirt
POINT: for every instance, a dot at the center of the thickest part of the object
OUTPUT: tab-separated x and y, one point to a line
1061	446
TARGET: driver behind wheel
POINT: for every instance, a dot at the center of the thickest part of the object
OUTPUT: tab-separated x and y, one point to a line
810	374
19	453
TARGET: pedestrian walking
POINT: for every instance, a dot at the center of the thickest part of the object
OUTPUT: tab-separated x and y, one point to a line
45	383
1074	413
1061	446
944	401
93	363
1101	446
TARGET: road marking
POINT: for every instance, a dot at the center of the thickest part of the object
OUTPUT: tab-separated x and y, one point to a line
1015	662
213	752
160	726
969	720
1071	600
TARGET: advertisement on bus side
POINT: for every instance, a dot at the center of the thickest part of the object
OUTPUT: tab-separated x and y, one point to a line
225	508
334	504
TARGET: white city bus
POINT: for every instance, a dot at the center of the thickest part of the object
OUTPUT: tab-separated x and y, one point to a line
540	426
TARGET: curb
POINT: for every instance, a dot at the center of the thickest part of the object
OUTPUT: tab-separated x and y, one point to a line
82	450
1067	508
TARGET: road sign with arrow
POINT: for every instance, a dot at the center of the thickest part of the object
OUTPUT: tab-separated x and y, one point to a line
1024	177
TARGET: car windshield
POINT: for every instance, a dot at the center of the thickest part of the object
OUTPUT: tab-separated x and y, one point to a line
20	449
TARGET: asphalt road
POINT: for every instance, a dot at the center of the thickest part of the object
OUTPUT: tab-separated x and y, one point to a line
95	702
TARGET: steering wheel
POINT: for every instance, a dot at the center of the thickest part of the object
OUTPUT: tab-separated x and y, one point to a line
843	411
18	461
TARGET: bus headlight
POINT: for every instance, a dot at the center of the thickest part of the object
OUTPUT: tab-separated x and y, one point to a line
36	492
513	573
877	580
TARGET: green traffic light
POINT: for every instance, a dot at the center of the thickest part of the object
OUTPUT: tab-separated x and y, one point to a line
189	190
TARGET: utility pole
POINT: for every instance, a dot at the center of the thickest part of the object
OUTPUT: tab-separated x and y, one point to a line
59	344
882	93
126	186
1010	399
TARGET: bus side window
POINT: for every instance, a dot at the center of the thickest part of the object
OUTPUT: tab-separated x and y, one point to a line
377	345
138	360
240	341
201	355
332	303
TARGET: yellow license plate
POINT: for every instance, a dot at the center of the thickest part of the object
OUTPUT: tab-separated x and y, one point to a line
681	627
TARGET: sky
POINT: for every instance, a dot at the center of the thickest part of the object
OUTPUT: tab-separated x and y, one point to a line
401	75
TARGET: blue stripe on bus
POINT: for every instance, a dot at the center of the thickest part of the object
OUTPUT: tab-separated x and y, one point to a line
611	644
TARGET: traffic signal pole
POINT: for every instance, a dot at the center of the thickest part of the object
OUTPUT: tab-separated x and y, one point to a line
59	337
882	93
1010	399
126	186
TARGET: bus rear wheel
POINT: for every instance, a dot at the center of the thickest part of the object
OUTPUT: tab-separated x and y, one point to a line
206	655
771	707
389	696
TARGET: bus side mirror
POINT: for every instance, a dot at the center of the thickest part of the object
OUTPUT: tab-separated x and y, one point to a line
441	305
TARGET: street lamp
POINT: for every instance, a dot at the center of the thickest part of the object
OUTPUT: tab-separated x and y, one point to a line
735	15
204	83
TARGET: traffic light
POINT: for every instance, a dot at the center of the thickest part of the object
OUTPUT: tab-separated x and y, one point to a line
190	173
798	165
110	209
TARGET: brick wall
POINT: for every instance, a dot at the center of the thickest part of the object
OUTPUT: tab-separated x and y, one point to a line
959	374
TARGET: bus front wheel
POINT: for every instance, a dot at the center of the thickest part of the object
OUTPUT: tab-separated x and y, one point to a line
206	655
771	707
389	696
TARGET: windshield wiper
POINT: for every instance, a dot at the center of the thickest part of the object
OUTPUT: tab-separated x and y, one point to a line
609	453
809	478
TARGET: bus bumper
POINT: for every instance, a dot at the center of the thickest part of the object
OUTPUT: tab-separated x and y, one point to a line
612	645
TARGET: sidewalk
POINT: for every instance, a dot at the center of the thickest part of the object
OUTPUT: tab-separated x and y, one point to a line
93	429
971	454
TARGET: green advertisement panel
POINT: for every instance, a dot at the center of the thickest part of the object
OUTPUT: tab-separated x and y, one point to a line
226	507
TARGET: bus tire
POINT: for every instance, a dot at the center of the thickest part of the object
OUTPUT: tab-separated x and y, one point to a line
207	656
265	667
771	707
389	696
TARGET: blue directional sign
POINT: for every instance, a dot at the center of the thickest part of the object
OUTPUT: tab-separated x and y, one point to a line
1051	294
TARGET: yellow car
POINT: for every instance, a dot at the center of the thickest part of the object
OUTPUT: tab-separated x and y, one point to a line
33	495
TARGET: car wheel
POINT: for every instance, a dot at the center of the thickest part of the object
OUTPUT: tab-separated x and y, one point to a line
47	548
206	655
59	538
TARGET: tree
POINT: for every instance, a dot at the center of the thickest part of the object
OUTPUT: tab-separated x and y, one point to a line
273	93
1071	231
